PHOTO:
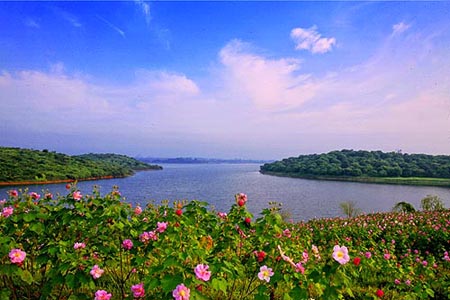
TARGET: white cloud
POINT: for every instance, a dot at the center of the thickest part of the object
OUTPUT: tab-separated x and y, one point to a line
251	104
309	39
58	101
145	10
400	28
270	84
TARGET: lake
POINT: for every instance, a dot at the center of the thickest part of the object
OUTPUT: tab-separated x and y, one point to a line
218	183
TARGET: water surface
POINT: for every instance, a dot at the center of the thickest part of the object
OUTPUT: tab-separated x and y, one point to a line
218	183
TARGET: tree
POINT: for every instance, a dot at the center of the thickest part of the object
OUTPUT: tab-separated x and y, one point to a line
432	203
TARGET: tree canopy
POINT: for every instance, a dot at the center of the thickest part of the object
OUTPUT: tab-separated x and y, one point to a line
17	164
351	163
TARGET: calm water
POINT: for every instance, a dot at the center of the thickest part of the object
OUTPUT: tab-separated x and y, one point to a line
217	184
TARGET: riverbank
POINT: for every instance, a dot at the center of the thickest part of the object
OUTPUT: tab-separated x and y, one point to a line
418	181
13	183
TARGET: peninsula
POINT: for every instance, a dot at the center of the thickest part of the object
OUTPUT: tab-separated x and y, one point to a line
27	166
366	166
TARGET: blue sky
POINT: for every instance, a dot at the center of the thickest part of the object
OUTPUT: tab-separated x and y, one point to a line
261	80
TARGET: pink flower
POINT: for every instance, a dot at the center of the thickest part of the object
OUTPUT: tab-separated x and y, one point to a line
144	237
161	227
77	246
299	268
152	235
222	215
408	282
305	257
147	236
397	282
127	244
181	292
77	195
387	256
35	196
137	210
48	196
241	199
368	254
340	254
13	193
96	272
287	233
202	273
102	295
138	290
7	211
265	273
17	256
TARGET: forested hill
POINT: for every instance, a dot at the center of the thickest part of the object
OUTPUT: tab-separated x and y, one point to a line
350	163
20	165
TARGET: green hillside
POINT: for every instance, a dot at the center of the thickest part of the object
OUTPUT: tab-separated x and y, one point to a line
366	166
17	165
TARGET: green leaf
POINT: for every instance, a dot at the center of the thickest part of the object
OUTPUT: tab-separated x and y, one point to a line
5	294
170	282
37	227
26	276
29	217
219	284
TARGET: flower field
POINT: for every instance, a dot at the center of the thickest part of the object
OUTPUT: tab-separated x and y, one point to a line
99	247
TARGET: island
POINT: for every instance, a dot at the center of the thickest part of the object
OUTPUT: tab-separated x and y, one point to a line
28	166
366	166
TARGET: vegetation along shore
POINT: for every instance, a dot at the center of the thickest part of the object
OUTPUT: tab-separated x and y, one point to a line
81	246
367	167
26	166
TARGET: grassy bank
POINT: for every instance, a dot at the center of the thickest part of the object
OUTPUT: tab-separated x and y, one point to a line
419	181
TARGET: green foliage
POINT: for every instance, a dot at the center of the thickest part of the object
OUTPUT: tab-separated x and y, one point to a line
350	163
408	252
403	207
432	203
18	165
350	209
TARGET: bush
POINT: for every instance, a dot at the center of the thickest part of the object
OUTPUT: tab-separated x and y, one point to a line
85	246
432	203
403	207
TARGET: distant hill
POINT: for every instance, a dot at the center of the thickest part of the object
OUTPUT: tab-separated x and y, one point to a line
367	166
26	165
199	160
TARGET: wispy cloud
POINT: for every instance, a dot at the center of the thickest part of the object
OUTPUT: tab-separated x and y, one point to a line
70	18
145	7
114	27
268	83
309	39
400	28
31	23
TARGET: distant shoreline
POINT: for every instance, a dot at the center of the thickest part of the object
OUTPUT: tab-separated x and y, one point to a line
417	181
